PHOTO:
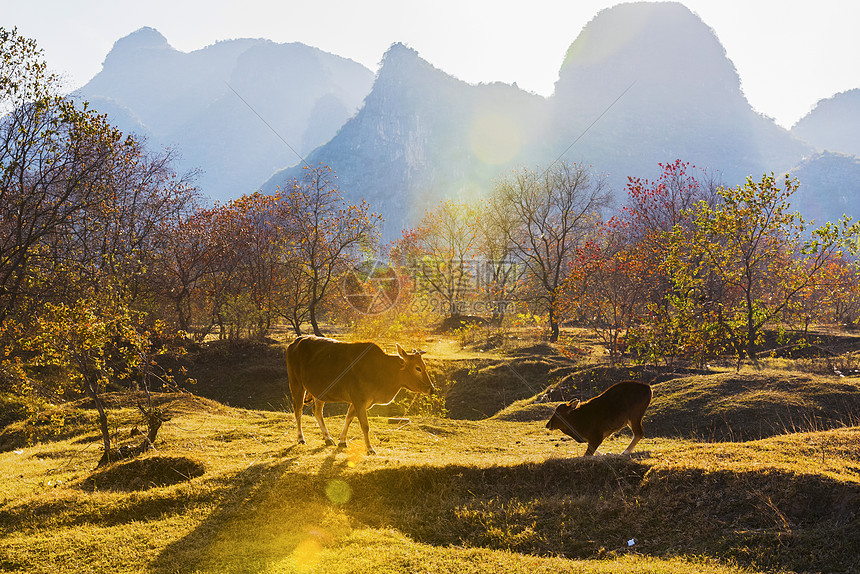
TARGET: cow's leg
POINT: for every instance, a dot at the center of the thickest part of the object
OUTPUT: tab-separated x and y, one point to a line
361	413
638	433
318	415
350	414
298	404
592	447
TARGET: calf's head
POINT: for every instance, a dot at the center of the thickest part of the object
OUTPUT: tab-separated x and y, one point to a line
565	419
413	371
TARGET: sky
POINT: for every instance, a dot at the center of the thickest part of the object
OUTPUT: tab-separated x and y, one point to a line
789	53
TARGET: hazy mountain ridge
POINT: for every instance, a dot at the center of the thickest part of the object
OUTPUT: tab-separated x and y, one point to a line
830	180
833	123
422	136
643	83
829	186
684	99
194	102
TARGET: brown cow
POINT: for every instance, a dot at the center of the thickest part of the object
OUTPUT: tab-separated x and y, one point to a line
592	421
361	374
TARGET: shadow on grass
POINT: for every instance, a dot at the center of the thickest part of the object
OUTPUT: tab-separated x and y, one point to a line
584	508
281	517
271	514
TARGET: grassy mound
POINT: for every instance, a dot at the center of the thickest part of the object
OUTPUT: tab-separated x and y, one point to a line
144	473
243	374
482	388
751	405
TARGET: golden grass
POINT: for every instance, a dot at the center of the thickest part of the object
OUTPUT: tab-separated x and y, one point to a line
228	489
441	496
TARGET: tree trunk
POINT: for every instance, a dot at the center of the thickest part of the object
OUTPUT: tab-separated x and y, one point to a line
297	327
154	419
92	391
553	322
313	318
751	347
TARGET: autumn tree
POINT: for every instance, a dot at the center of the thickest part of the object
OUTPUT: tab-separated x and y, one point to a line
258	241
98	341
80	205
442	261
55	159
186	258
843	292
122	234
246	245
619	278
554	211
653	210
607	286
78	200
502	275
328	235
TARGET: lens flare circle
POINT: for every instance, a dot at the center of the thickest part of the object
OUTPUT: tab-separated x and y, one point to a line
338	491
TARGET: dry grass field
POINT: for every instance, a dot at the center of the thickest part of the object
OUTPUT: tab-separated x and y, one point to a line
756	471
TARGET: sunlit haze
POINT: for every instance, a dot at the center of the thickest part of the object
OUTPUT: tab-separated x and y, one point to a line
789	54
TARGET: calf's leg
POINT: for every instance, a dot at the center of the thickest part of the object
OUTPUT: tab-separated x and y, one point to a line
638	433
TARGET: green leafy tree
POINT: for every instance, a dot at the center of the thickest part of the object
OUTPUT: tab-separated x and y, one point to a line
748	261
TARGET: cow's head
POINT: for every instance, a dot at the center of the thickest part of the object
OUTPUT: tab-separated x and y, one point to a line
564	419
415	373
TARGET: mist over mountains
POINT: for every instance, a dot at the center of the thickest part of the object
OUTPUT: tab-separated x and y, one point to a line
228	108
643	83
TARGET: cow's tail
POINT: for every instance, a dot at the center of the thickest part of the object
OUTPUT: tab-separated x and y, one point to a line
308	398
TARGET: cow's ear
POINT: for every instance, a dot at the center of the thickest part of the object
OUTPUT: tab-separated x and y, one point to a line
573	403
403	354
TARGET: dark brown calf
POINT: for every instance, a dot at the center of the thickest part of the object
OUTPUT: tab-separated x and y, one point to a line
592	421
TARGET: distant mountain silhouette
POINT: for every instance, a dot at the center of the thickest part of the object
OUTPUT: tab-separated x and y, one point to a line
683	99
829	187
642	84
410	144
423	136
194	102
834	124
830	181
